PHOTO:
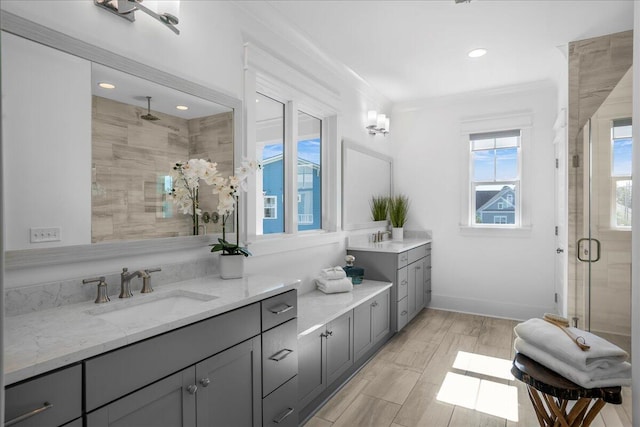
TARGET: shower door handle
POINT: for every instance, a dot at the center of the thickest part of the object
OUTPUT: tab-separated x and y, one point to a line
587	252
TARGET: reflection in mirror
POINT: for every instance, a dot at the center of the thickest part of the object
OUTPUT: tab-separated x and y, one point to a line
365	173
140	130
270	150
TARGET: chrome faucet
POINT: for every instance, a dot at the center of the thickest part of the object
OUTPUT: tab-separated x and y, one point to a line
125	281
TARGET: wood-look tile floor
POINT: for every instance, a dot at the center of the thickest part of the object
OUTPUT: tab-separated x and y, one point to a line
399	386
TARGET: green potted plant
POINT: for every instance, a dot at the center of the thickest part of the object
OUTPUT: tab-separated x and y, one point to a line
379	207
398	211
186	178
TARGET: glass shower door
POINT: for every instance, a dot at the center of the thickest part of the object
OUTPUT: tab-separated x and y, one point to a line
603	251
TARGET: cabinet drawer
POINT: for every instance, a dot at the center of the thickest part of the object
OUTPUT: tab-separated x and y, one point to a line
280	408
403	283
122	371
60	392
279	355
403	259
279	309
417	253
403	313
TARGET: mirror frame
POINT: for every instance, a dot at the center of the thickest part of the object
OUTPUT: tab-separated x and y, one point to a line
353	146
29	30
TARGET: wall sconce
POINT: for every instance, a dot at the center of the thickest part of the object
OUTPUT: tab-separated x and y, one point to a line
377	123
126	9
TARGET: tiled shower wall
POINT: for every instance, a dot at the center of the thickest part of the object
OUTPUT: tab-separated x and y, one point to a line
131	157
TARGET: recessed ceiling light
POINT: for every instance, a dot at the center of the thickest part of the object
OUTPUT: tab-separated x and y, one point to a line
477	53
182	107
105	85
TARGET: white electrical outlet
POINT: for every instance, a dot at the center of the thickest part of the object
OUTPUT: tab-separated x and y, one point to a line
45	234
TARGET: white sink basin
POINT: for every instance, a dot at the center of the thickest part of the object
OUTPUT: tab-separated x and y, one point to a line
145	306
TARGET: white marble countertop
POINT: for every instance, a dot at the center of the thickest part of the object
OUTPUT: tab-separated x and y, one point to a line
391	246
316	308
41	341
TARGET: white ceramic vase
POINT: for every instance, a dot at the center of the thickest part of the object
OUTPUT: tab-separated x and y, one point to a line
397	233
231	266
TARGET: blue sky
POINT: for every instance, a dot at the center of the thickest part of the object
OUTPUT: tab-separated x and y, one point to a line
622	156
492	165
307	150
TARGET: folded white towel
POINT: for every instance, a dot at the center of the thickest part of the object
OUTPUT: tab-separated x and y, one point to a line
617	374
334	286
553	340
331	273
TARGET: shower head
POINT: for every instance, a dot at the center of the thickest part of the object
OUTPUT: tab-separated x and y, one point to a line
149	116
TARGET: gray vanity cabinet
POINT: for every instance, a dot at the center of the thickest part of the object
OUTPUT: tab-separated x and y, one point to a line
371	323
324	355
221	390
47	401
410	272
167	402
229	390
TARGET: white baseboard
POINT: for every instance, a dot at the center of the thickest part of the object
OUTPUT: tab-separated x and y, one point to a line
489	308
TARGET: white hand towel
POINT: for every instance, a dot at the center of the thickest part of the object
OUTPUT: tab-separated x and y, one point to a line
331	273
618	374
552	340
334	286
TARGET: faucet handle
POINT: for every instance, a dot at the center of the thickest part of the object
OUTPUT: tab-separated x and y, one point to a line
146	280
102	296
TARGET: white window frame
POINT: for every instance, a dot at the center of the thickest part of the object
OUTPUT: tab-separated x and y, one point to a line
521	120
266	74
272	206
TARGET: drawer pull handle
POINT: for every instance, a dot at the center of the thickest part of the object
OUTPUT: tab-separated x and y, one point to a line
192	389
404	313
281	355
280	418
204	382
286	308
45	406
403	283
374	304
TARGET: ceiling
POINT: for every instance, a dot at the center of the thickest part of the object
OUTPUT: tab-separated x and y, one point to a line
411	50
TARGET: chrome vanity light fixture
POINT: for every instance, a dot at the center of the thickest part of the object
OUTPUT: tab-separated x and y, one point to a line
377	123
126	9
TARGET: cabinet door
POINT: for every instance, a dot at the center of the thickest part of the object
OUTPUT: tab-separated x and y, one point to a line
312	375
420	274
229	387
339	346
411	292
427	279
362	328
169	402
380	316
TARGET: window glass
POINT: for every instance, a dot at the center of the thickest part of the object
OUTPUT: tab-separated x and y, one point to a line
309	172
270	151
495	177
621	159
623	203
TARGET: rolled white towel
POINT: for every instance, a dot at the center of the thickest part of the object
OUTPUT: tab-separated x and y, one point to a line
334	286
332	273
617	374
552	340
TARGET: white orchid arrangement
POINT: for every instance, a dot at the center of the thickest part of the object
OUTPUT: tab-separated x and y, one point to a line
186	178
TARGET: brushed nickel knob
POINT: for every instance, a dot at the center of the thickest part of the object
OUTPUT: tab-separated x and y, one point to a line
192	389
204	382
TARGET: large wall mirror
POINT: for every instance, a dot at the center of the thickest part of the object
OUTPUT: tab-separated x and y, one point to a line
365	173
86	164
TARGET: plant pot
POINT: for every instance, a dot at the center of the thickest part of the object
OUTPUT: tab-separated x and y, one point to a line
231	266
397	233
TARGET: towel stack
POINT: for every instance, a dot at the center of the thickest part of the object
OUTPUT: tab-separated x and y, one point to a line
603	365
333	280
